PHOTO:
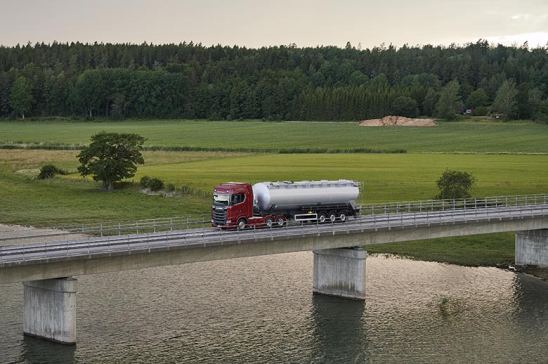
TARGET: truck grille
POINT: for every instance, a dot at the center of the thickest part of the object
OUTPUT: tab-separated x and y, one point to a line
219	216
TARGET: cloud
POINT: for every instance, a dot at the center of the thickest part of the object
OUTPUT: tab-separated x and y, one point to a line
529	18
535	39
520	17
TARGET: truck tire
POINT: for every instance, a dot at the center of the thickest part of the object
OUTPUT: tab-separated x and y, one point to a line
242	223
269	222
332	217
322	218
280	221
342	216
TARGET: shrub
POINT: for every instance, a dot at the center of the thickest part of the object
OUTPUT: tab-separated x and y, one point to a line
155	184
170	187
49	171
145	182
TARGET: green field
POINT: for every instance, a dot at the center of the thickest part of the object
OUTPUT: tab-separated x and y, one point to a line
466	136
384	177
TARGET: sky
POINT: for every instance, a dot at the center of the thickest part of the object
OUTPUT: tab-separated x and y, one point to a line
257	23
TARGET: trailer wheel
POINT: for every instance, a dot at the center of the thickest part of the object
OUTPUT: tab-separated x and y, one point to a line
269	222
242	223
281	222
342	217
332	217
322	218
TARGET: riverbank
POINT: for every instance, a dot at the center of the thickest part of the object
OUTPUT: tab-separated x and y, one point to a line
490	250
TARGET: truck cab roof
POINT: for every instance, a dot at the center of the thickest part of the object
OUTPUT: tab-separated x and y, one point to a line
233	187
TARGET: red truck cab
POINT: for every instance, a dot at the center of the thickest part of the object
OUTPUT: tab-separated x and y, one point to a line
232	205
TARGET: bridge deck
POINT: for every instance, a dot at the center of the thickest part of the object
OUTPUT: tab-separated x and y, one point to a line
97	247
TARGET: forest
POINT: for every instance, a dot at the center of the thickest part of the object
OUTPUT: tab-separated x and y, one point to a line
194	81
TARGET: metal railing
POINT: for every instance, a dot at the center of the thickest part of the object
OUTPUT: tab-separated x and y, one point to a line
454	204
186	223
112	228
392	216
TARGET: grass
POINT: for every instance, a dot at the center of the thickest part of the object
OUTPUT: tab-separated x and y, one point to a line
477	250
25	200
386	177
463	136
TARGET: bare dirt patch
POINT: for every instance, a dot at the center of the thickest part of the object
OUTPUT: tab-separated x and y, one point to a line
392	120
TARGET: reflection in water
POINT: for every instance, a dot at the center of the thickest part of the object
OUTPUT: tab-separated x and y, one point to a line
34	351
262	310
338	330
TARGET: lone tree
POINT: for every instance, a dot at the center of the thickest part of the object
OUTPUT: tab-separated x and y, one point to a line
455	184
21	96
111	157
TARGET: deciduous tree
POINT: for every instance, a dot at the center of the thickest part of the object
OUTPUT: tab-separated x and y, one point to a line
505	101
449	103
455	184
111	157
21	96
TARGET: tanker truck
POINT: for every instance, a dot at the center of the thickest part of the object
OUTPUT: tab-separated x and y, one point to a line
275	204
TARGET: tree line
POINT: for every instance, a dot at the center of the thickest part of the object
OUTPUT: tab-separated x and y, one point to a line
275	83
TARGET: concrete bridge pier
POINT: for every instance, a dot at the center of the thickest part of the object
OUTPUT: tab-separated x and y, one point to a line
50	309
340	272
532	248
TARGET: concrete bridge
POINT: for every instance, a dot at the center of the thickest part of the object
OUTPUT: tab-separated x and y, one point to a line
46	269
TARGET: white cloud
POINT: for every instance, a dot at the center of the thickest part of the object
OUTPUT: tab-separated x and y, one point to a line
535	39
520	17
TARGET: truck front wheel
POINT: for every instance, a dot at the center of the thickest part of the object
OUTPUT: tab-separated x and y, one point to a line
242	223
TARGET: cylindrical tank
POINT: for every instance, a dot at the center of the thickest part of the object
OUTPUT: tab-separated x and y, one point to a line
287	195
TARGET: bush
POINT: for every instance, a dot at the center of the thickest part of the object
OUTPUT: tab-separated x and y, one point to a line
170	187
145	182
155	184
49	171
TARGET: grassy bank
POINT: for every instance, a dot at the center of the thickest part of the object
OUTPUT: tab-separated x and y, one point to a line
463	136
477	250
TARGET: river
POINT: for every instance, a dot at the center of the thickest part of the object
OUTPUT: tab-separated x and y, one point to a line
262	309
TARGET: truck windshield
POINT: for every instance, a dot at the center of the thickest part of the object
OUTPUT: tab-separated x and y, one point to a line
221	199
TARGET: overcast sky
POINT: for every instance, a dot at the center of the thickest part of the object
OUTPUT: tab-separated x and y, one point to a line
256	23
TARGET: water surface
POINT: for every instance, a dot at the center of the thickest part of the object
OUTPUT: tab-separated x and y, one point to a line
262	310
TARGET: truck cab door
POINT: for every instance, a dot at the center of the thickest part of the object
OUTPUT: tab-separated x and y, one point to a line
238	205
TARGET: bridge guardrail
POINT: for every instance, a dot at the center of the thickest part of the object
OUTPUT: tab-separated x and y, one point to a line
153	241
186	223
454	204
